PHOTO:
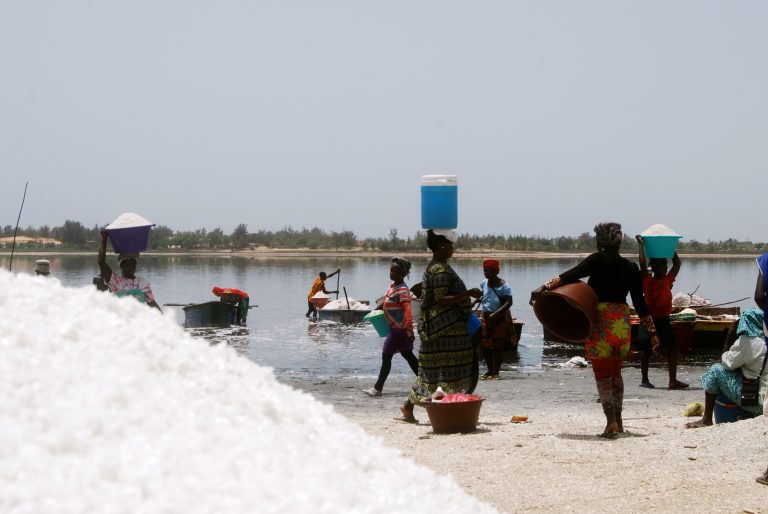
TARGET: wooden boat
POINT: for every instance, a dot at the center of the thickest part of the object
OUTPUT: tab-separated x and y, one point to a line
231	309
215	313
713	329
344	315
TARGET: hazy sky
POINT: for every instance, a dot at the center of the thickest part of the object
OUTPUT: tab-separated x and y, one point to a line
553	114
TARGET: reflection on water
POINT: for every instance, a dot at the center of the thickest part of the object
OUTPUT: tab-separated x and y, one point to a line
236	336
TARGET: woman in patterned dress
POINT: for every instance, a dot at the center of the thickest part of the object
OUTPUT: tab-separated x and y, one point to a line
612	277
446	355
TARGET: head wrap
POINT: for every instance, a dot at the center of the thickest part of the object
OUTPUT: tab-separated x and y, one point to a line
491	263
608	234
447	233
403	264
750	323
126	257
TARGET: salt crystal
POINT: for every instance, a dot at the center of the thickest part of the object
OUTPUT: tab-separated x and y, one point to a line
659	230
129	220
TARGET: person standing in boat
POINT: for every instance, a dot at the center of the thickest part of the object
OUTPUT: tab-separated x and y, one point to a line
317	286
446	354
612	277
657	289
397	311
496	326
127	283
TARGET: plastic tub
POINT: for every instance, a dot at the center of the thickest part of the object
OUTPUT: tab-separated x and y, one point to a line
473	323
378	321
439	201
129	240
454	417
568	312
320	302
727	412
129	233
660	247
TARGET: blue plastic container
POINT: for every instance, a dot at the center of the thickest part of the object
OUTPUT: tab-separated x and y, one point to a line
473	323
378	321
660	247
727	412
439	201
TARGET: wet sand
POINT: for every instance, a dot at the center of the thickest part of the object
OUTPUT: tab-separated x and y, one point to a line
555	462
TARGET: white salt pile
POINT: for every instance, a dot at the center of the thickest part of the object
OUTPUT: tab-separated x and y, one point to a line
689	300
108	406
659	230
342	305
129	220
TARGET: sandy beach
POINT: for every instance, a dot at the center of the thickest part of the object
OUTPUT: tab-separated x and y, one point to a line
555	462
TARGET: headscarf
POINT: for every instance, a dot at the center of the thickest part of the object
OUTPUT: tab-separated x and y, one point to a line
491	263
750	323
403	264
608	234
126	257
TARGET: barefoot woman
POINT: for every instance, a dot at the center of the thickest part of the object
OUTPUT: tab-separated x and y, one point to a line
445	355
612	277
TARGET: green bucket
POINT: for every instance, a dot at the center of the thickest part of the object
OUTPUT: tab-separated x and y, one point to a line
378	321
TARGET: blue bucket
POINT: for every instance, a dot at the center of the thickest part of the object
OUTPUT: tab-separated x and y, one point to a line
439	202
727	412
473	323
660	247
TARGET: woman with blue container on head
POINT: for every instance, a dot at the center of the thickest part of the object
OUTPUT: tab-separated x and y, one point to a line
446	354
396	307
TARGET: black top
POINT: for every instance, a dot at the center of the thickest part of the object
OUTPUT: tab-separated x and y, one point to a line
612	277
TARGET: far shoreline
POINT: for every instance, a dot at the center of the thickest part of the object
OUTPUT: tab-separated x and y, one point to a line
336	254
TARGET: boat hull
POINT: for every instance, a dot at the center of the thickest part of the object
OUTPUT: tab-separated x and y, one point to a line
210	314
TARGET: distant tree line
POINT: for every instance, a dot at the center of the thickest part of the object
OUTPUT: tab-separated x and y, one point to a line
74	236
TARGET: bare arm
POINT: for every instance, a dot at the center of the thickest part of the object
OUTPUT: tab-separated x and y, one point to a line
675	265
445	301
641	257
106	271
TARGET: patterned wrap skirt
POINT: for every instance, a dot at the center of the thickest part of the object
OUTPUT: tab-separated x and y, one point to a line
610	335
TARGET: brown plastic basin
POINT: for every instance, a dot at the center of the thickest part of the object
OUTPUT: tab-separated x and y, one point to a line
568	311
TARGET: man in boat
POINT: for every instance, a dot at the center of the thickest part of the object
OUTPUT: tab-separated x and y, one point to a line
317	286
235	297
127	283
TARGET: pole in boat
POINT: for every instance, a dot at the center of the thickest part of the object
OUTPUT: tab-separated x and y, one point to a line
338	276
13	246
347	298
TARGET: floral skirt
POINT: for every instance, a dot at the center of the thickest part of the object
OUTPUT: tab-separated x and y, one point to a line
610	333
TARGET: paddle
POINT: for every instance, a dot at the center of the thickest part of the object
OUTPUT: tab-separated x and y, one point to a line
338	276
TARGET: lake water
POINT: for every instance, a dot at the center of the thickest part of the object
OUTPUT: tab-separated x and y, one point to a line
278	335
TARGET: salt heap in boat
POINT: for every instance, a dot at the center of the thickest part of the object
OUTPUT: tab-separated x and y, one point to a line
108	406
341	305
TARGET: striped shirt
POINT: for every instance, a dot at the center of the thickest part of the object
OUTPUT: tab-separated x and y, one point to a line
397	307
